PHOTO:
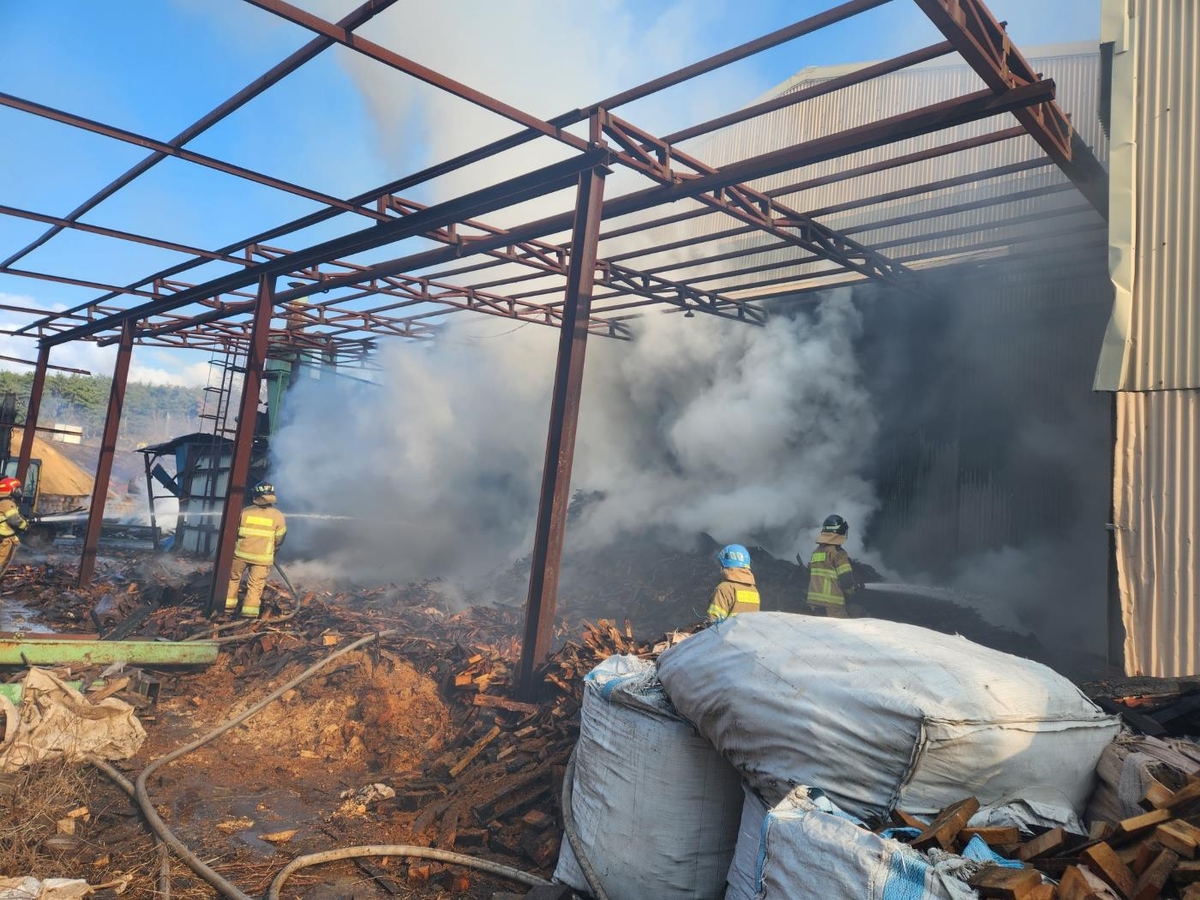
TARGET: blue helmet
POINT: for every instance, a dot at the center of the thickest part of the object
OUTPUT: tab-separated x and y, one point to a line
735	556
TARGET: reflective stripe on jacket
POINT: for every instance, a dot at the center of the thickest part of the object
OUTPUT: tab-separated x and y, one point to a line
830	577
260	532
737	593
11	520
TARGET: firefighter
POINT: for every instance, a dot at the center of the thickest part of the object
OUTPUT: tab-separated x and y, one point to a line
831	580
261	531
737	592
12	523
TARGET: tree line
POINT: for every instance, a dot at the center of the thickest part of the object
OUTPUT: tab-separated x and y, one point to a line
152	412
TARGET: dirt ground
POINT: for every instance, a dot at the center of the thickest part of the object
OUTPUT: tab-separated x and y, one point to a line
426	715
297	777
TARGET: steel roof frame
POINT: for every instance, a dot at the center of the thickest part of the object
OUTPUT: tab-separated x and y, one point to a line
419	290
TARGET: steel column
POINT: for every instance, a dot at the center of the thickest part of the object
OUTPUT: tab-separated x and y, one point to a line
243	442
32	410
108	446
560	440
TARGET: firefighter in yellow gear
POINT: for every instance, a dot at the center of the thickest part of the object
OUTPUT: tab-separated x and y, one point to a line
831	581
737	593
261	531
12	523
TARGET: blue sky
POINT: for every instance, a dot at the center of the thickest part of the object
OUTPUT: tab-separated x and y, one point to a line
342	125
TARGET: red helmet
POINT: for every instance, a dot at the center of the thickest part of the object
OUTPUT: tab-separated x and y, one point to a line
9	486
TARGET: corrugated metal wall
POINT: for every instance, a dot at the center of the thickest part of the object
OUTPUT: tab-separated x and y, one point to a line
1156	510
1065	212
1154	339
1151	354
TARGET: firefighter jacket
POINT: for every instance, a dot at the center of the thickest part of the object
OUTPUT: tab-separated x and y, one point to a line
737	593
830	576
11	521
260	532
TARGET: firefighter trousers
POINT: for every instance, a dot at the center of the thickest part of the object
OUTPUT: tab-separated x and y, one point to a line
254	586
8	550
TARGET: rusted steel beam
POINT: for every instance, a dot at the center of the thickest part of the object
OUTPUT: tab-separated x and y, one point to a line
925	120
560	440
243	442
108	446
32	410
276	73
165	148
64	223
859	76
370	198
982	41
394	60
845	174
31	362
538	183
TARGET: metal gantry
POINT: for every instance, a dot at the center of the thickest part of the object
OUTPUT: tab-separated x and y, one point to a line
563	270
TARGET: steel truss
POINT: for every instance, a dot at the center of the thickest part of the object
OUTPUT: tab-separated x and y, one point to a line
555	271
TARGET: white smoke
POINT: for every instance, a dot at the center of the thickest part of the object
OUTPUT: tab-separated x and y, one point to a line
748	434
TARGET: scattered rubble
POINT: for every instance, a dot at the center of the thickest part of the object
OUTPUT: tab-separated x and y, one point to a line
1150	855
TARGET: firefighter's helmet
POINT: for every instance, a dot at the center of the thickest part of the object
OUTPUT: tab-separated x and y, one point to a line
10	487
835	524
265	491
735	556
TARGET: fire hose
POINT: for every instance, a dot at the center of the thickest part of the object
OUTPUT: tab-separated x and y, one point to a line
230	890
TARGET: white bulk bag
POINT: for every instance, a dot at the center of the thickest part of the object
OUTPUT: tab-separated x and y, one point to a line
806	853
743	871
882	715
656	808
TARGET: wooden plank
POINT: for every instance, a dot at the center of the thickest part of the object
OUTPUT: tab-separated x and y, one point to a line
905	820
1187	871
1146	854
1004	883
1179	836
474	751
109	689
506	704
993	835
942	831
1136	826
1080	884
1043	845
1186	796
1104	862
1157	796
1152	881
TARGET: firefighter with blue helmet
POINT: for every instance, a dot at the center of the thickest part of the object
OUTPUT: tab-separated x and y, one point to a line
261	531
736	593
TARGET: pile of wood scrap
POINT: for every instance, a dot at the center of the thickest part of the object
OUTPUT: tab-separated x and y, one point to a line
1151	855
498	782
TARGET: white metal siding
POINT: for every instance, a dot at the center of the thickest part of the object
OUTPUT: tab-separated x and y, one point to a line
1154	338
1077	79
1150	355
1157	495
